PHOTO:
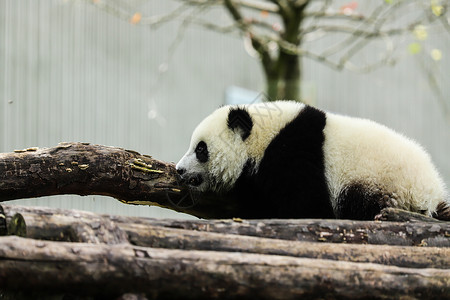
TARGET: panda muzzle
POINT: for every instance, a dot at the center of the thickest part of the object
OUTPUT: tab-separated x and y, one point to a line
193	180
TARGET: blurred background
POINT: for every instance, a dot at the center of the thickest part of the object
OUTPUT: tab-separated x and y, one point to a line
141	74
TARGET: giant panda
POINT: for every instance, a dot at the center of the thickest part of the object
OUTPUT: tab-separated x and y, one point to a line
285	159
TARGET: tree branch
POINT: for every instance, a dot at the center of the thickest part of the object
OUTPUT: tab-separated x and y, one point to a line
84	169
257	42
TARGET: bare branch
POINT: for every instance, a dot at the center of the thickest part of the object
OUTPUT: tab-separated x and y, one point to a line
285	10
258	5
233	10
358	32
445	22
300	3
214	27
148	21
155	20
252	4
344	43
271	44
258	43
359	39
327	15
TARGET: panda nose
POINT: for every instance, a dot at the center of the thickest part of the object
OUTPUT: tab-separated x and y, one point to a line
181	171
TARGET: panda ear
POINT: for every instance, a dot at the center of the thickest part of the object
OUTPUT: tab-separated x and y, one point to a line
239	120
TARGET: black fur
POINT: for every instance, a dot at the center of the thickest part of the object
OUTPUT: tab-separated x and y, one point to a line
357	202
201	152
442	211
239	118
290	182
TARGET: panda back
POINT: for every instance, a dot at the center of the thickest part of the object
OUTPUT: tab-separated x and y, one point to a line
364	156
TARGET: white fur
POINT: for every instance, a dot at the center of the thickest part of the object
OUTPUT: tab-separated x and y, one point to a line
362	151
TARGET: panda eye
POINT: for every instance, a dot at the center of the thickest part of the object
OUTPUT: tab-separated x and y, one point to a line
201	151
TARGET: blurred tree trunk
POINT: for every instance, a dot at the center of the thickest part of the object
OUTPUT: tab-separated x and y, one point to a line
283	83
288	65
282	68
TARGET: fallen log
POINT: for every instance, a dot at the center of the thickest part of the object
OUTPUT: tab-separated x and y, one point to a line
53	224
399	215
122	268
79	168
315	230
62	225
403	256
85	169
78	226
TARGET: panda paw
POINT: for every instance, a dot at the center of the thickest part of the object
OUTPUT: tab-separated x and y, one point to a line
389	201
442	211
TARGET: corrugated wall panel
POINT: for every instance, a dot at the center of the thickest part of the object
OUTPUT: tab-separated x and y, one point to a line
70	72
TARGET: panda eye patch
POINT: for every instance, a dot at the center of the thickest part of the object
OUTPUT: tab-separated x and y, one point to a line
201	151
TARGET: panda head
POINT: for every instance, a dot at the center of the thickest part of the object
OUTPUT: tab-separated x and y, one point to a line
230	140
218	150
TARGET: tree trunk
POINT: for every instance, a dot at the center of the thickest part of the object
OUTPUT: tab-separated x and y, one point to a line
283	74
292	78
285	84
272	82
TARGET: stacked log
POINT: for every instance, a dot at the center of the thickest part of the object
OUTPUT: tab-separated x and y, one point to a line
79	253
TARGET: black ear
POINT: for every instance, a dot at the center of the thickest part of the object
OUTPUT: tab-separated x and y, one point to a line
239	120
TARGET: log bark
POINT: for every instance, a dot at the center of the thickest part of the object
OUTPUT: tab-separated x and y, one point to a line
430	234
84	169
77	226
399	215
232	266
403	256
47	223
313	230
63	225
163	273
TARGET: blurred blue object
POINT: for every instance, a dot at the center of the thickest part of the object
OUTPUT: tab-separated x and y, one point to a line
237	95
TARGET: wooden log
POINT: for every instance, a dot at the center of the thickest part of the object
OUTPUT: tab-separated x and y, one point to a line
47	223
80	168
403	256
54	224
113	270
315	230
84	169
399	215
63	225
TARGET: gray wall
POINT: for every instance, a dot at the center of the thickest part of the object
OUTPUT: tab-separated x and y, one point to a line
70	72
